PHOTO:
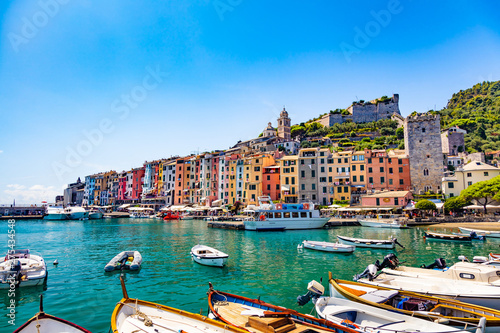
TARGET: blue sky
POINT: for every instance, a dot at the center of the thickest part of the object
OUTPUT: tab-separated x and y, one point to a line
89	86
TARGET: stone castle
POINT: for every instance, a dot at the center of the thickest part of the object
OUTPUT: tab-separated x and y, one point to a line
422	136
364	112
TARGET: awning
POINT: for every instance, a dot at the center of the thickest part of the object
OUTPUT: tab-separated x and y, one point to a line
285	188
177	207
124	206
481	207
216	203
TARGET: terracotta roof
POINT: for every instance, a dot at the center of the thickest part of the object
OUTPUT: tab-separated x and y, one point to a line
476	165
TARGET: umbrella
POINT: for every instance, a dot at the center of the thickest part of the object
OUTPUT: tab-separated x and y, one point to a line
334	206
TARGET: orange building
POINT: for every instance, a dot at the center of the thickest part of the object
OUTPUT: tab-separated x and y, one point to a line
271	182
387	170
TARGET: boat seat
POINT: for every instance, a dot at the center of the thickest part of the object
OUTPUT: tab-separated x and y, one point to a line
379	296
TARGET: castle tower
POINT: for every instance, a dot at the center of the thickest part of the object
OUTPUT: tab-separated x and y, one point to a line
284	126
423	147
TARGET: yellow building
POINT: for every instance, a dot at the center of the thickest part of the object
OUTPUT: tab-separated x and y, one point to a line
289	181
358	176
231	181
471	173
252	176
339	175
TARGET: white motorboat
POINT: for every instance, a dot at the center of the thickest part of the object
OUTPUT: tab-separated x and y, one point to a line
125	260
384	221
95	214
327	246
55	213
23	269
365	318
208	256
76	213
493	234
45	323
371	243
134	315
270	217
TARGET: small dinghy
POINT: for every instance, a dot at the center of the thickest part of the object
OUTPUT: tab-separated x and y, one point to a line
134	315
480	232
447	237
208	256
371	243
327	246
22	268
45	323
125	260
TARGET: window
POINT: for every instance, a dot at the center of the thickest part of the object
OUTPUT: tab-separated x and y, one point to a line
378	201
303	187
469	174
400	169
339	189
313	186
423	130
400	161
451	185
362	157
362	167
286	181
322	161
330	179
370	170
321	153
313	173
426	172
381	169
469	183
370	180
314	197
303	214
467	276
389	160
256	178
396	201
346	160
268	187
353	168
302	174
486	173
390	181
330	169
293	180
346	189
354	179
381	160
382	180
324	189
361	178
322	179
313	161
322	169
390	170
302	162
293	169
339	160
268	177
369	160
401	182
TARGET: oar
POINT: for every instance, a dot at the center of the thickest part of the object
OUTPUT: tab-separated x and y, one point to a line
396	242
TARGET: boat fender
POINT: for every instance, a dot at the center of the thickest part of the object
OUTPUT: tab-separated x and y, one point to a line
348	323
262	217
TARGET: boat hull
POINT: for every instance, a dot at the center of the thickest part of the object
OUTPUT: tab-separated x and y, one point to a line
446	237
328	247
370	243
95	215
43	322
134	265
493	234
216	262
285	224
374	224
55	217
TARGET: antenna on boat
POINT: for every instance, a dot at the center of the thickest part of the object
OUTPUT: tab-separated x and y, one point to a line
41	304
124	289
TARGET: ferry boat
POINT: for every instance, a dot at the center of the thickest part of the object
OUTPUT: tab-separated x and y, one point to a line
270	217
384	221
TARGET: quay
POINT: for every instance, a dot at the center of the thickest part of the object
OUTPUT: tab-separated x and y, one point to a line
21	217
235	225
116	215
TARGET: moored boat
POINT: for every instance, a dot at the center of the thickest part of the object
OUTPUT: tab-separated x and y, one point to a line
279	217
493	234
134	315
76	213
384	221
371	243
131	260
256	316
45	323
458	314
169	215
446	237
327	246
208	256
473	236
55	213
22	269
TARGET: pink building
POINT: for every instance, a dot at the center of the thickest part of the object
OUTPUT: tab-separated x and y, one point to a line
122	187
386	199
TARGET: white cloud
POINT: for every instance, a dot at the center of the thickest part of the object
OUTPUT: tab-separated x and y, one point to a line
33	195
1	151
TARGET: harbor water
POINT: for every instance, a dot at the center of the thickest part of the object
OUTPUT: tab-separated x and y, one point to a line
261	264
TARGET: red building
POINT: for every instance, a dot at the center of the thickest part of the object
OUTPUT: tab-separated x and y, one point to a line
137	181
387	170
122	187
182	175
271	182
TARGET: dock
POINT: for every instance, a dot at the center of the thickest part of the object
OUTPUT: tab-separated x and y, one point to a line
333	222
22	217
117	215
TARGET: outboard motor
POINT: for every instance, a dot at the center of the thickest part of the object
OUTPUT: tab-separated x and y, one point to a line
395	240
370	272
390	261
439	263
15	269
315	290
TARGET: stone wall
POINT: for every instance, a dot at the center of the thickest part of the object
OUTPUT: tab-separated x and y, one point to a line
422	136
451	141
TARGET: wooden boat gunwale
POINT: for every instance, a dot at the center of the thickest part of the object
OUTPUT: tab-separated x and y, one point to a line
43	315
369	243
304	319
492	321
451	237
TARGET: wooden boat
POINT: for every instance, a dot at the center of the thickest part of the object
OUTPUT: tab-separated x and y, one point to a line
134	315
493	234
23	269
371	243
494	256
446	237
414	304
473	236
256	316
208	256
366	318
384	221
45	323
327	246
131	260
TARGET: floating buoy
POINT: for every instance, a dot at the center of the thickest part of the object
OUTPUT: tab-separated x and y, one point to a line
56	262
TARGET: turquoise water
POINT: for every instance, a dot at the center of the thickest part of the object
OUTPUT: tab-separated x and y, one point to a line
266	264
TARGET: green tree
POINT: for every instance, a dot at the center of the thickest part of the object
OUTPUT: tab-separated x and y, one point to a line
425	205
297	130
386	131
483	192
454	204
400	133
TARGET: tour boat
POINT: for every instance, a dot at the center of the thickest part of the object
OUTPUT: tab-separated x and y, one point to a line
76	213
371	243
493	234
284	217
208	256
134	315
446	237
423	306
45	323
22	269
55	213
256	316
384	221
366	318
327	246
131	260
